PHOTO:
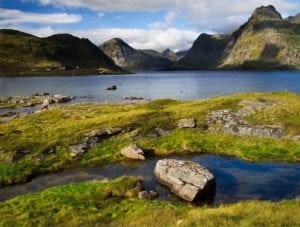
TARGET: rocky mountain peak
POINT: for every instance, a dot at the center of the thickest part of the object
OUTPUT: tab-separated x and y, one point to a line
266	13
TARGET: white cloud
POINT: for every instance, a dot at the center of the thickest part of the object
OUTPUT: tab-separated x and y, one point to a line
12	16
167	23
101	15
214	15
157	39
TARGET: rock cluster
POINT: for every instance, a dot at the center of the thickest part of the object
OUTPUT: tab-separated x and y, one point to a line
54	99
232	121
92	140
186	179
133	152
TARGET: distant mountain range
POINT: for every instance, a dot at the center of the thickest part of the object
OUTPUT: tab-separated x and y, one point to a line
132	59
63	54
266	41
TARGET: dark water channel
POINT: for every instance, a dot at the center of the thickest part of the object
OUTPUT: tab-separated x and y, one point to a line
235	179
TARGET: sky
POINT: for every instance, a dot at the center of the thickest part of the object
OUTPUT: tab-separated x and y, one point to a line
144	24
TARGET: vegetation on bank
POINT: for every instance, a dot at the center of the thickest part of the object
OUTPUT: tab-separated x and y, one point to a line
114	203
39	143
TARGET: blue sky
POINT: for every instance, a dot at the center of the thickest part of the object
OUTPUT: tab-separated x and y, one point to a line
147	24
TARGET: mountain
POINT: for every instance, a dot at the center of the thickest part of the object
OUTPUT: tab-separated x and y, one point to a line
294	19
132	59
205	53
171	55
181	53
25	54
265	41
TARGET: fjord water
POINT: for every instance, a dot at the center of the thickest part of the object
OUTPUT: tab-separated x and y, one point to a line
153	85
235	179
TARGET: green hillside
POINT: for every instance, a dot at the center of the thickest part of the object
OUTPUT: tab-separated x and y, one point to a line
25	54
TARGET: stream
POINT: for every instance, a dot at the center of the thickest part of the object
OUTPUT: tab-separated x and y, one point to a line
236	179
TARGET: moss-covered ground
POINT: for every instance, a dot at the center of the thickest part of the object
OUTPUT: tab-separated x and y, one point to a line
114	203
67	125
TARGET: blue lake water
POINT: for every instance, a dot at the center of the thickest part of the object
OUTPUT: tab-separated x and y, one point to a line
153	85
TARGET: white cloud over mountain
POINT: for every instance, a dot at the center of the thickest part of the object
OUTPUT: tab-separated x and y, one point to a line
157	39
214	15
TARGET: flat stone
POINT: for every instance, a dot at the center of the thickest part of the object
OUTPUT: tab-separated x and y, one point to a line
133	152
187	123
188	180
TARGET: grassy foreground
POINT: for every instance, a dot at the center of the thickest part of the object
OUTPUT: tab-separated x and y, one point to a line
64	126
114	203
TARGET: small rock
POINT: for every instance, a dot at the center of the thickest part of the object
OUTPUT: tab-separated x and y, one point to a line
47	152
161	132
188	180
112	88
45	104
78	149
133	98
150	195
133	152
187	123
143	195
20	154
296	137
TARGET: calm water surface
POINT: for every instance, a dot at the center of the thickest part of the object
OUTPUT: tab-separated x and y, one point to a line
176	85
235	179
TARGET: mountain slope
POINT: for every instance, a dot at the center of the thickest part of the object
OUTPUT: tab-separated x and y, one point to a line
133	59
205	53
171	55
265	41
22	54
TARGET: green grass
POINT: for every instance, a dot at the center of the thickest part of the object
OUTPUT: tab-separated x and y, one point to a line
67	125
114	203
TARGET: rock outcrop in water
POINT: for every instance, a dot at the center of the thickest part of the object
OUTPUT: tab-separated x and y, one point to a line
186	179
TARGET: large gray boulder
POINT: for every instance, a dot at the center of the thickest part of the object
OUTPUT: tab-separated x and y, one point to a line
188	180
133	152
